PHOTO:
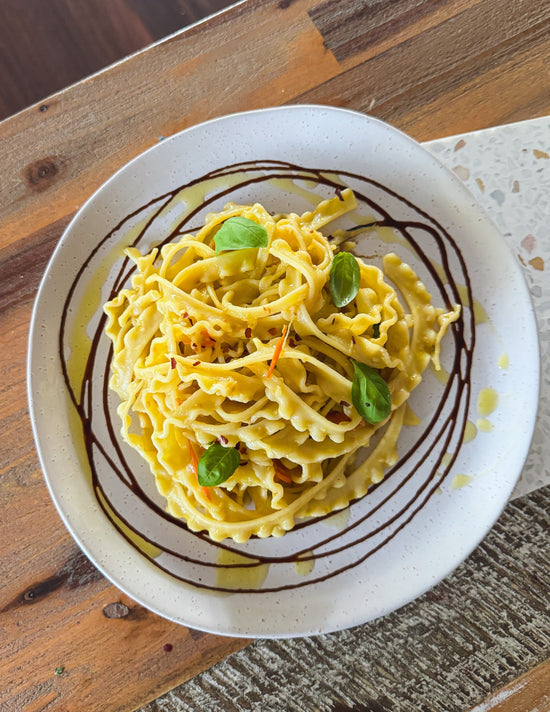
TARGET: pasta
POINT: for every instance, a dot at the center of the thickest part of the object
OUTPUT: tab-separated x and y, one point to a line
246	349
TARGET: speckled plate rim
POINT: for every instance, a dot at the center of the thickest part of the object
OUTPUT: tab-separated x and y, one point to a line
314	620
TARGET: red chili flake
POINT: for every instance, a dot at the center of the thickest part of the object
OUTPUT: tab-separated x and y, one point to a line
168	647
173	362
196	363
184	315
242	448
291	343
336	416
207	340
248	332
282	473
223	440
272	331
225	348
344	404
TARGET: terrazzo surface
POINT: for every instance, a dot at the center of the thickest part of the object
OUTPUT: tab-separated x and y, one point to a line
507	170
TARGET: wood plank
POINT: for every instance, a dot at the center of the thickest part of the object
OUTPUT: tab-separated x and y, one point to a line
299	68
158	653
52	600
529	693
481	78
56	154
74	145
44	47
47	46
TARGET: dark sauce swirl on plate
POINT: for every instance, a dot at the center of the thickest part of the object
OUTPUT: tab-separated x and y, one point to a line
122	482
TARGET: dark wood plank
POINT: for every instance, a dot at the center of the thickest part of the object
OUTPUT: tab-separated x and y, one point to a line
161	17
390	70
45	46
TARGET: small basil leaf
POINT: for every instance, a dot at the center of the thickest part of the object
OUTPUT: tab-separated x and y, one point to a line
217	464
237	233
344	279
370	393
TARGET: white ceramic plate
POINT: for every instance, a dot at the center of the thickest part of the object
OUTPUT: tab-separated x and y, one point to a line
442	497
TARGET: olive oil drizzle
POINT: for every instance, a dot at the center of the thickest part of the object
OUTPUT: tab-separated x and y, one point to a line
444	431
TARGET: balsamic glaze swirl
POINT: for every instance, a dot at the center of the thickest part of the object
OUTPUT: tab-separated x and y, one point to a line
388	507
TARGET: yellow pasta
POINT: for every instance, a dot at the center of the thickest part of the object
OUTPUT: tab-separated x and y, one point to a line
246	348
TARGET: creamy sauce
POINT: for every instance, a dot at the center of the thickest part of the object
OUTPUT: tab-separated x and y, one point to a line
411	418
145	546
441	374
338	521
470	432
306	566
290	186
487	401
484	425
480	313
236	572
461	481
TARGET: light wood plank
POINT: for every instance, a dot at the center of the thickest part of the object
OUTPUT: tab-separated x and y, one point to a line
529	693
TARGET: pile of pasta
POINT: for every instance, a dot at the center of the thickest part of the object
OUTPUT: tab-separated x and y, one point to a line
246	348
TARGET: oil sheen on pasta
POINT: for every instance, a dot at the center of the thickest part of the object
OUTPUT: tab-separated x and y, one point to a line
316	490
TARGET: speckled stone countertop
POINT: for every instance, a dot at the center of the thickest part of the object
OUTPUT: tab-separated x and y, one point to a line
507	169
487	622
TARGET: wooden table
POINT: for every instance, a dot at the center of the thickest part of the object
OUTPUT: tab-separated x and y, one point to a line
430	68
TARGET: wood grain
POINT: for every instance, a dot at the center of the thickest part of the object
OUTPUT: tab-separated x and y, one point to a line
52	599
45	46
450	66
494	76
466	638
529	693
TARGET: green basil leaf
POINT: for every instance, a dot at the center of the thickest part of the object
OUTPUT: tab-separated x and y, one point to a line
344	279
217	464
237	233
370	393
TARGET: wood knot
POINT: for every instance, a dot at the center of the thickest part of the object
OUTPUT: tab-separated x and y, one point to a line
42	173
283	4
116	610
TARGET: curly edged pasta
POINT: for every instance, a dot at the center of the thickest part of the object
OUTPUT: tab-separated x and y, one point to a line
245	348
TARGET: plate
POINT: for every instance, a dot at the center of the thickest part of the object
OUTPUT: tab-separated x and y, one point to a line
457	467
